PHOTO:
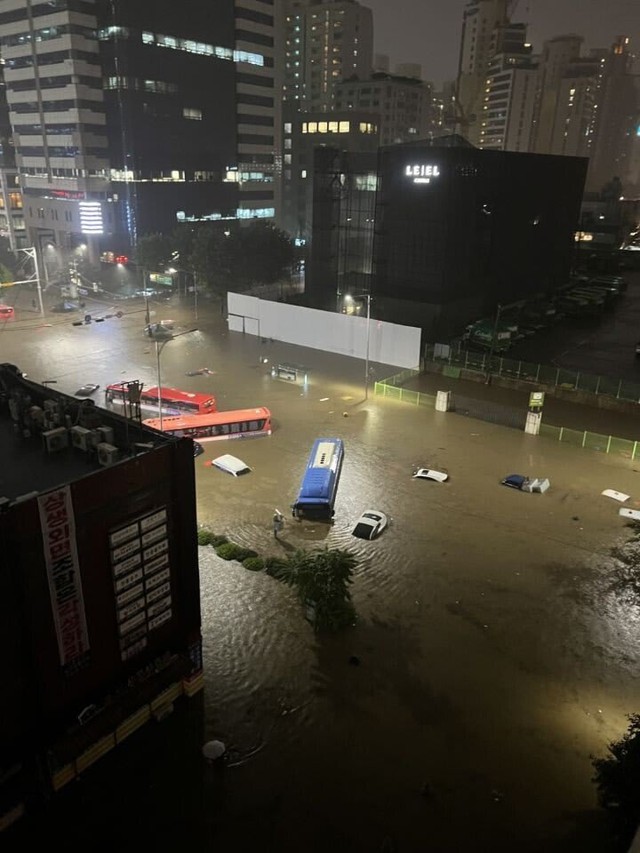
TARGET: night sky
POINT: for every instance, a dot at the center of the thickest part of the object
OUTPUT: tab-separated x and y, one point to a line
428	31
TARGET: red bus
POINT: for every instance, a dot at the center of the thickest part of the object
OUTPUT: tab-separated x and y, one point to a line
241	423
172	400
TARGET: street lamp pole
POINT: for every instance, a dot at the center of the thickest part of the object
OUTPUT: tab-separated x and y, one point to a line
160	345
195	294
366	361
349	298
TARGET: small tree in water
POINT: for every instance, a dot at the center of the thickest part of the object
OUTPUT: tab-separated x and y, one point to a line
322	580
617	779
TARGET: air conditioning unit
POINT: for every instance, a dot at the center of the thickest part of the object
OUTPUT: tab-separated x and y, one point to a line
106	434
94	438
81	438
55	439
107	454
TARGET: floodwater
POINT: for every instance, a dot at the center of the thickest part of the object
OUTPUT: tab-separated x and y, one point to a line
489	661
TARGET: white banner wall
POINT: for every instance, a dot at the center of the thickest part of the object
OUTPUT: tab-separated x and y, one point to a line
325	330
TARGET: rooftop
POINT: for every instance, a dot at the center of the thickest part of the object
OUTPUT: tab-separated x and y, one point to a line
49	439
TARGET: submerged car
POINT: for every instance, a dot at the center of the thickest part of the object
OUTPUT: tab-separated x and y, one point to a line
370	524
197	449
231	464
64	307
86	390
430	474
526	484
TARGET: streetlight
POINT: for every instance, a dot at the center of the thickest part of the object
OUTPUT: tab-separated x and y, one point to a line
349	299
173	270
160	345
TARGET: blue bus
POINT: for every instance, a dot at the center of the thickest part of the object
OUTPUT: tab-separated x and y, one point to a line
320	481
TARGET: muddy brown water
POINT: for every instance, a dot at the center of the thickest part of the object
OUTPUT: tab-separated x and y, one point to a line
493	660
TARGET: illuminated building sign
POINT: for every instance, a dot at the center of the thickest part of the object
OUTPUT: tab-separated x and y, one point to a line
91	217
422	173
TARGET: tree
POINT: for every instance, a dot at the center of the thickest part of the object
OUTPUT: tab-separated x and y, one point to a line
265	253
322	580
153	252
617	778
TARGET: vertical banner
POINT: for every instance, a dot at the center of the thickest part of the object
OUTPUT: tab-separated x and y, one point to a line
58	527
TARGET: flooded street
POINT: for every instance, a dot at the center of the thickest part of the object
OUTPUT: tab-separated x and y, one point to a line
489	661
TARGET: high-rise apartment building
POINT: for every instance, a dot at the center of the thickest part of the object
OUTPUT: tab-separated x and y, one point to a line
482	22
571	122
129	117
509	93
558	54
403	105
616	120
326	41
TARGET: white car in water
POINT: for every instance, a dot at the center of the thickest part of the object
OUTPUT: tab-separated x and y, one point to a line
231	464
430	474
370	524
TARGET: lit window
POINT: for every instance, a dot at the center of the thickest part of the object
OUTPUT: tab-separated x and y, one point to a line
344	127
192	113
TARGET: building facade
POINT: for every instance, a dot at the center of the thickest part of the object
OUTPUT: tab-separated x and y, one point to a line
326	41
99	585
456	230
353	131
403	105
128	119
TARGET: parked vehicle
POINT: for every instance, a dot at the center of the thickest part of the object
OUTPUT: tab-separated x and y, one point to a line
370	524
7	312
231	464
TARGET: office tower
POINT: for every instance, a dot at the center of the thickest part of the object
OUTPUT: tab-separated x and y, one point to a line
575	108
510	92
326	41
616	122
558	54
130	117
481	20
402	105
12	226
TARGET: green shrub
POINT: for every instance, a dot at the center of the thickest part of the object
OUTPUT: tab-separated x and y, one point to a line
229	551
245	554
278	568
206	537
219	540
254	564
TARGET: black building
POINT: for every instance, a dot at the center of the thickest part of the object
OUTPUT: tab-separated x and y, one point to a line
169	92
457	230
99	585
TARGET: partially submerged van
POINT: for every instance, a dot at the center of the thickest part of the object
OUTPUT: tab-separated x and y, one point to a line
231	464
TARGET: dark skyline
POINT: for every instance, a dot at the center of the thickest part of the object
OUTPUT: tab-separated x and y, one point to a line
428	31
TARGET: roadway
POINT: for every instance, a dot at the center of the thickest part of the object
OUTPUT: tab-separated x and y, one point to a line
495	658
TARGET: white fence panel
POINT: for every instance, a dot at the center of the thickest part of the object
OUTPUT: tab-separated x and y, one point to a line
346	334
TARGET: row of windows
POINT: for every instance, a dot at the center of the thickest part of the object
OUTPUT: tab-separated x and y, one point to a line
266	121
38	172
46	34
58	129
254	139
254	80
256	17
55	83
254	100
187	45
254	38
15	201
48	8
61	151
135	84
58	106
337	127
54	57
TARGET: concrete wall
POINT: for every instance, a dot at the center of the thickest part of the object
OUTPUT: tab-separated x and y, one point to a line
340	333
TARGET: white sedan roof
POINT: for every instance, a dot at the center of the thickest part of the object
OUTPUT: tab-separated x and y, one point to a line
231	464
430	474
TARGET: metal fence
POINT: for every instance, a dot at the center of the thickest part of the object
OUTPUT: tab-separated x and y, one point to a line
454	358
391	388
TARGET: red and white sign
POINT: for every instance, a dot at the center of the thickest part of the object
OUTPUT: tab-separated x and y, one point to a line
63	572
